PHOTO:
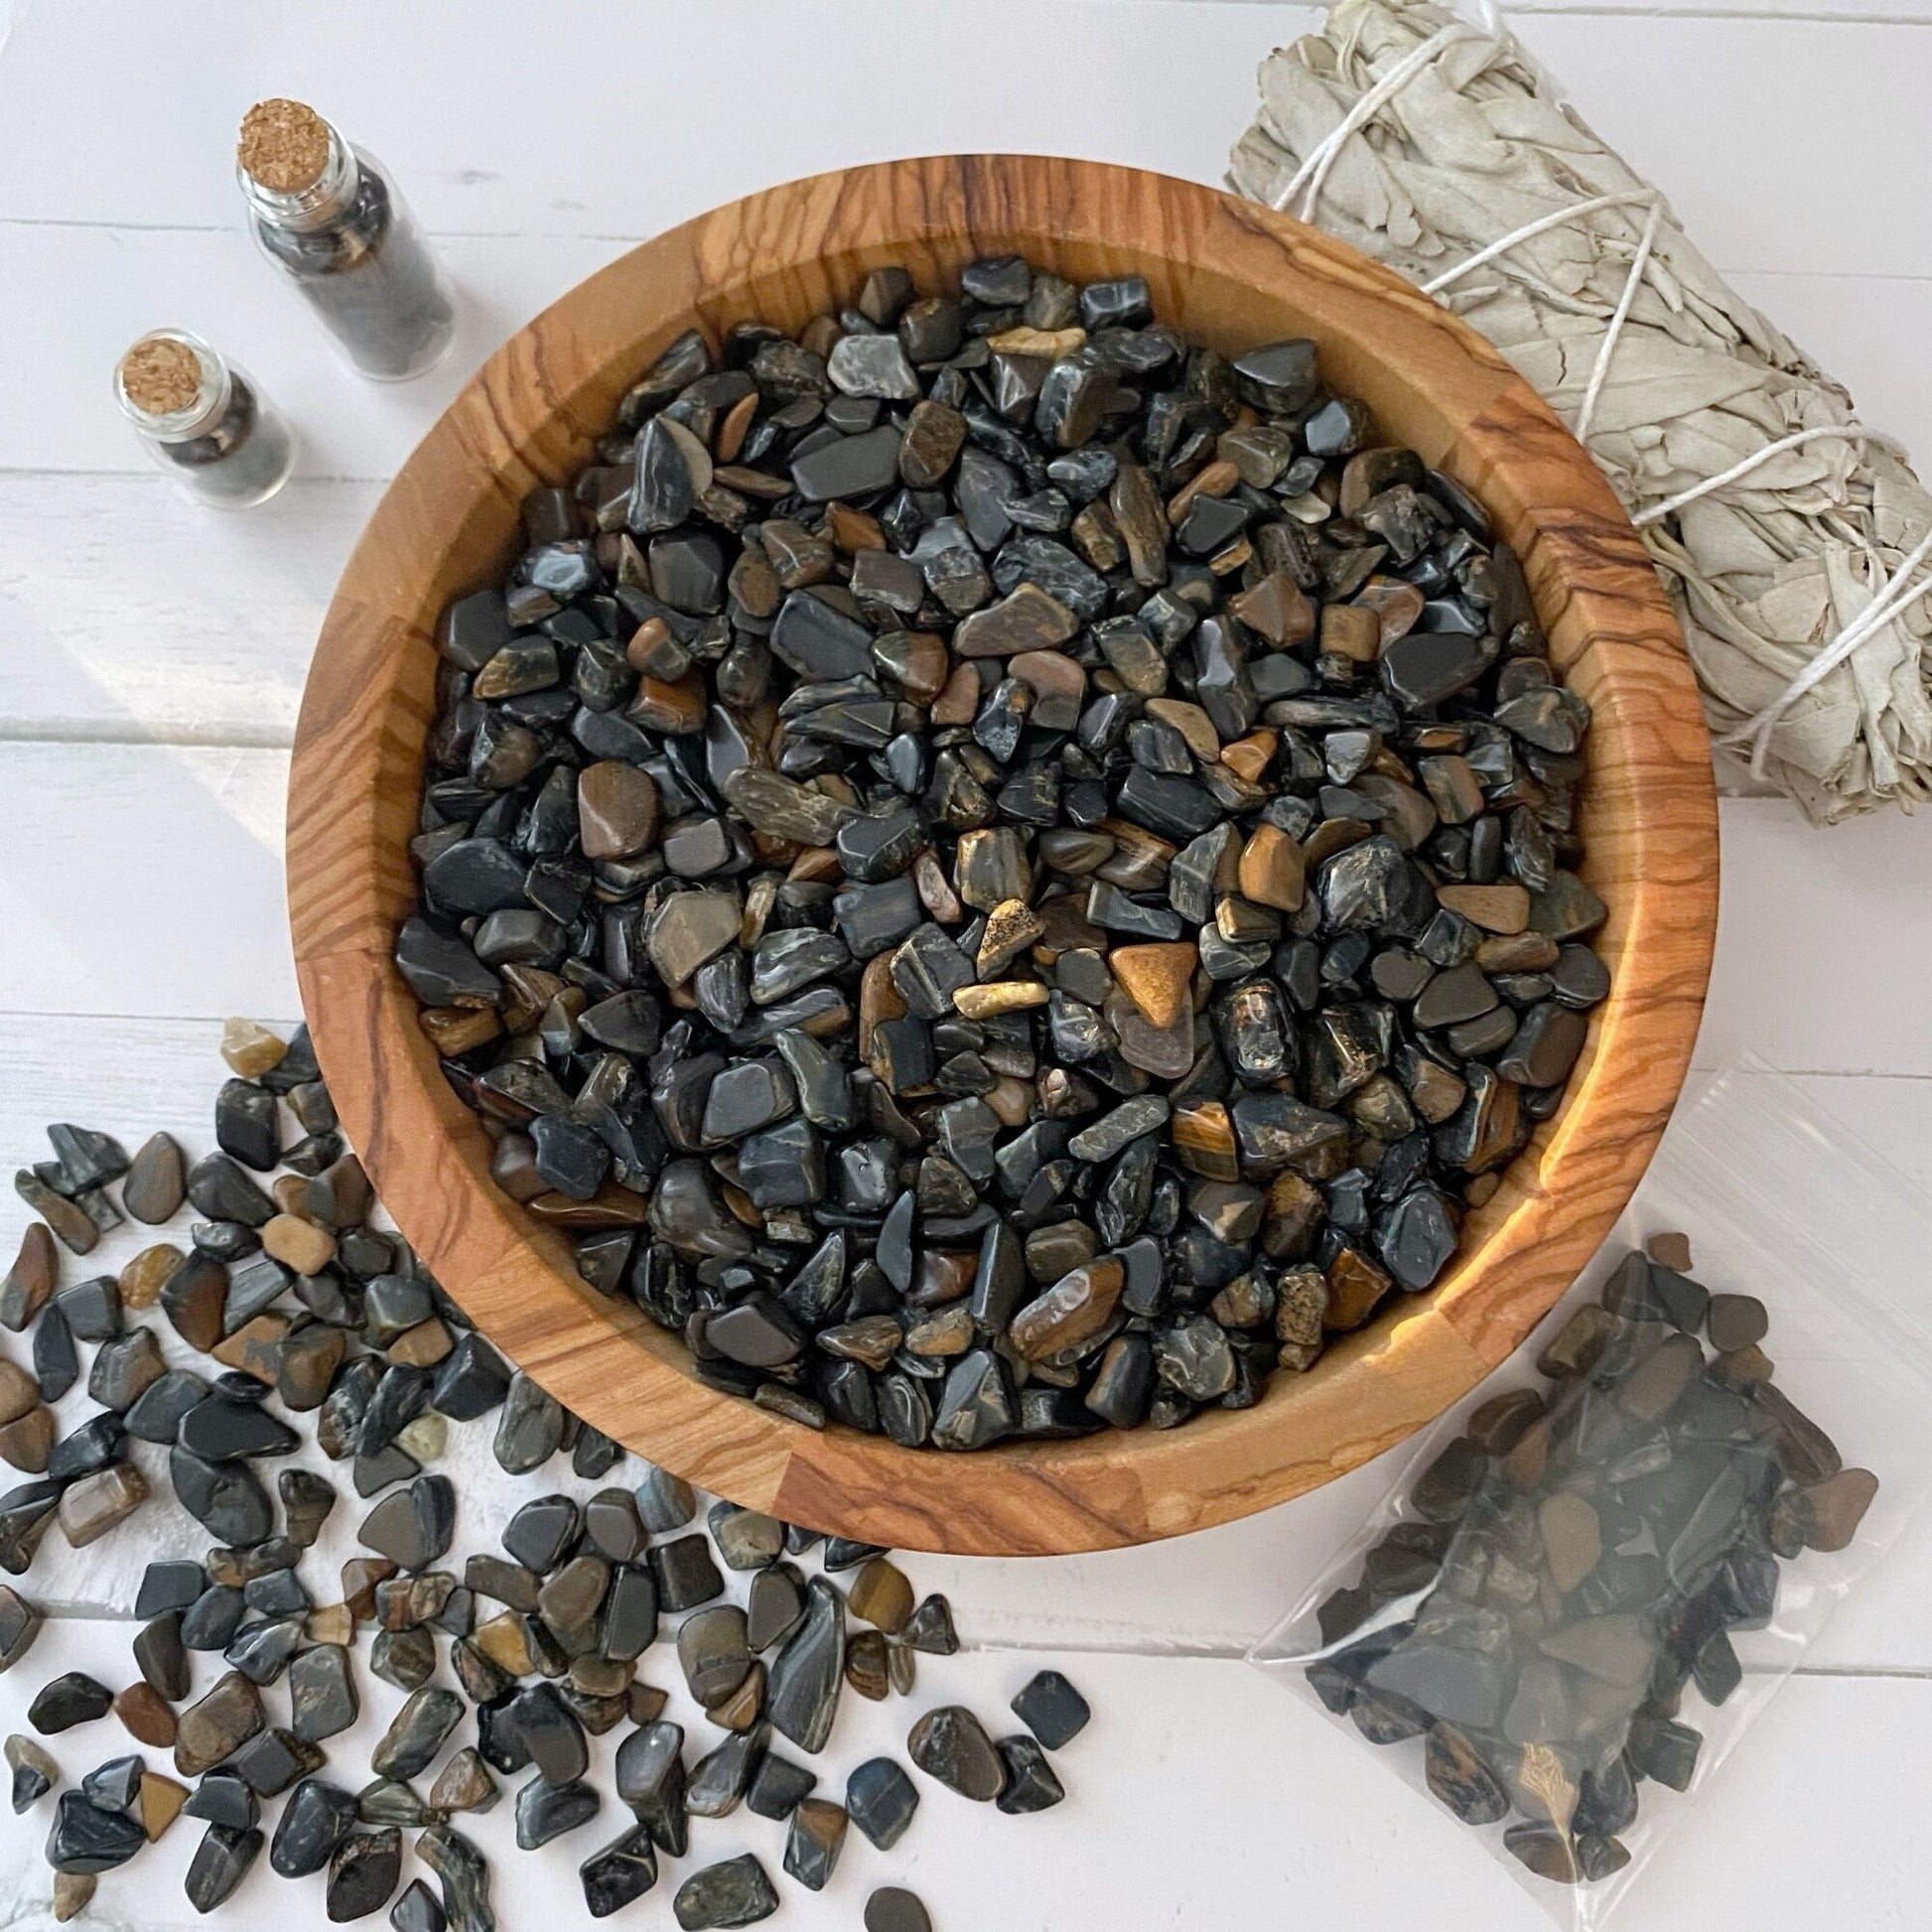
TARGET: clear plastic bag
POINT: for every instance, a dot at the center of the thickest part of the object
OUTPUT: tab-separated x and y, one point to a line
1564	1629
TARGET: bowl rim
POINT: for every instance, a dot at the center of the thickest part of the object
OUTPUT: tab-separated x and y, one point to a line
532	412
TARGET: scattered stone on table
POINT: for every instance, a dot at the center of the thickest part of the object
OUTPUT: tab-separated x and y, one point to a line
713	1652
664	1502
931	1629
684	1573
464	1784
363	1875
416	1733
31	1281
1032	1784
719	1779
618	1875
581	1599
464	1878
952	1745
156	1183
880	1800
417	1910
1052	1709
867	1664
159	1803
95	1504
650	1780
220	1863
315	1818
73	1892
746	1539
147	1716
323	1699
814	1841
35	1773
545	1811
87	1839
734	1892
778	1785
894	1909
20	1625
881	1595
73	1698
774	1607
802	1694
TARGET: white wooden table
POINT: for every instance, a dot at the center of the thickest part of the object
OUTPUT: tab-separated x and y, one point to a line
152	657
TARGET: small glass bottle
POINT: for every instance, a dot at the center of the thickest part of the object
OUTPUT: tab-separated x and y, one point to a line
329	217
204	421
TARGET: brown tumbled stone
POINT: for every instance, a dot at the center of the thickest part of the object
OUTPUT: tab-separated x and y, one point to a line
32	1278
1351	631
299	1244
1355	1288
1272	869
1835	1507
1278	609
250	1050
1158	978
143	1278
255	1347
217	1726
361	1576
1497	1426
1571	1537
1496	909
95	1504
617	810
19	1392
1735	1322
1671	1251
156	1182
881	1595
73	1892
27	1441
148	1715
1071	1311
160	1803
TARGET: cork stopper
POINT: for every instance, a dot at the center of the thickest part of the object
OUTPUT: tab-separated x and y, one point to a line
284	146
161	375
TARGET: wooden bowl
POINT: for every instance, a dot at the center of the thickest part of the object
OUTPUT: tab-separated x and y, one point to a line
1227	273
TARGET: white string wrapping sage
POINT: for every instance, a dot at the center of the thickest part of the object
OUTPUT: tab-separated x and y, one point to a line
1795	541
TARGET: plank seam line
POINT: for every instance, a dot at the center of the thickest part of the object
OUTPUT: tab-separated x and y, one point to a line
1755	14
145	473
188	737
632	239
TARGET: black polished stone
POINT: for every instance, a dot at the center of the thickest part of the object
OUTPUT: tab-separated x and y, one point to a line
880	1799
733	1893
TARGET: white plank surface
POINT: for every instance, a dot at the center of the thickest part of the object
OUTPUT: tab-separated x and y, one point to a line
151	658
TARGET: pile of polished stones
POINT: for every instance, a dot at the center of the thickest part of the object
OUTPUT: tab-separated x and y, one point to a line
1007	874
1575	1562
293	1322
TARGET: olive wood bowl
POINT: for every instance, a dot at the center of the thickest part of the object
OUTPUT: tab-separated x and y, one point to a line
1229	274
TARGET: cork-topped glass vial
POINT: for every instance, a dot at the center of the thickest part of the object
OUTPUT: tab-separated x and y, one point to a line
328	216
202	419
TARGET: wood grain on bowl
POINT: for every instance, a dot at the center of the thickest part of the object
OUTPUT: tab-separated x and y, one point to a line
1225	273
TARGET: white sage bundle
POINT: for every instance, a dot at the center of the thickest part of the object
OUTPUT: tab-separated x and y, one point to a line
1794	540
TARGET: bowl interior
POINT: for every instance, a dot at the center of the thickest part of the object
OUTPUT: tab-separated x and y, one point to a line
1225	274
